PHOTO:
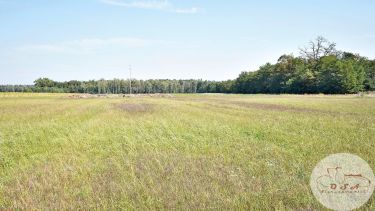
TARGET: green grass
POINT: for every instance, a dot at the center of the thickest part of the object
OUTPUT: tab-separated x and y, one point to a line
187	152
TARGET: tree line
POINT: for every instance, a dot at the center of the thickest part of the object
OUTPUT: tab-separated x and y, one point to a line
118	86
320	68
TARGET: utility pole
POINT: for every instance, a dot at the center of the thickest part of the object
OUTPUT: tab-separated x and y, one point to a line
130	79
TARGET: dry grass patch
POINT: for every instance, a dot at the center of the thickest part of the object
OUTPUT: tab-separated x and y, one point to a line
49	185
58	185
136	107
269	106
189	182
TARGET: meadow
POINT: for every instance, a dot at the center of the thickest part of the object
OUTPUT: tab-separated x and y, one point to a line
185	151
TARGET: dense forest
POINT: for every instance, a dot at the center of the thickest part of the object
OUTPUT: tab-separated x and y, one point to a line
320	68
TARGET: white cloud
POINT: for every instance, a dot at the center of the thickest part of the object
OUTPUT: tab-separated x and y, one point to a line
192	10
91	45
163	5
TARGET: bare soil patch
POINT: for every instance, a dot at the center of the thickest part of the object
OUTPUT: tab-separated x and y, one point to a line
136	107
87	96
162	95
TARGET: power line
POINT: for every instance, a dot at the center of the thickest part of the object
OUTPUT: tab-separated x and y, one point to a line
130	79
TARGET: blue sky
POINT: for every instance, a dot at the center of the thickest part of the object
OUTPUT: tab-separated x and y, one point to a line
211	39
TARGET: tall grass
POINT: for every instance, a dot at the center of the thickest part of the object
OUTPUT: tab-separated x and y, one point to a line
186	152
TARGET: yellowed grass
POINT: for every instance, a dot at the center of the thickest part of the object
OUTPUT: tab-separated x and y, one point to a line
187	152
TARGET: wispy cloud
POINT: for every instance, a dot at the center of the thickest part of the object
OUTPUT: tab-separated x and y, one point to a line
162	5
91	45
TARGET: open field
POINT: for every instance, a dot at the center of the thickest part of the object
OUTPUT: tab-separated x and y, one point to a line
181	152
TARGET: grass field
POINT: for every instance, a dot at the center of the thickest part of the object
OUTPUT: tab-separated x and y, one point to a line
182	152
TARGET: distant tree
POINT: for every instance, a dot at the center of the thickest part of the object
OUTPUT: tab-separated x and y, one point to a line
44	82
318	48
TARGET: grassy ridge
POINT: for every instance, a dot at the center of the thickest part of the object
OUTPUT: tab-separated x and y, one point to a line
185	152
